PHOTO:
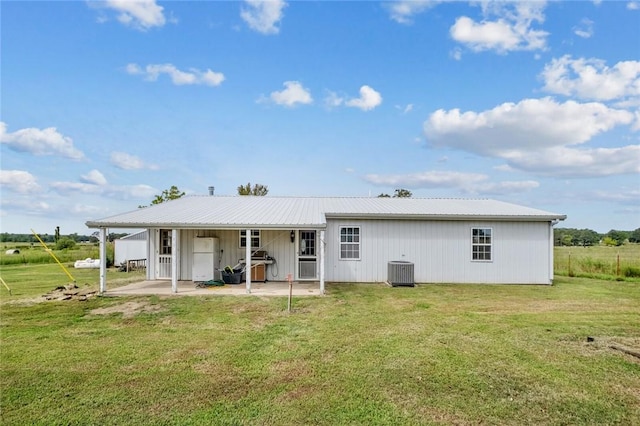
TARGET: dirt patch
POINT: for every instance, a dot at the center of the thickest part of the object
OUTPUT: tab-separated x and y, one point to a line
629	346
70	292
128	309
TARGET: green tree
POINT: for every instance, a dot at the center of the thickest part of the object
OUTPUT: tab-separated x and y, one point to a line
402	193
567	240
618	236
167	195
256	189
399	193
634	236
587	237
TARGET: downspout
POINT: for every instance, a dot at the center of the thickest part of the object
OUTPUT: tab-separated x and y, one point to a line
103	260
551	242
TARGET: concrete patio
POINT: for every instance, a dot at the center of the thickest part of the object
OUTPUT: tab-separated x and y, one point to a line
189	288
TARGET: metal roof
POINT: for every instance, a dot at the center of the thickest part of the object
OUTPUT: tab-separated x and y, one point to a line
241	212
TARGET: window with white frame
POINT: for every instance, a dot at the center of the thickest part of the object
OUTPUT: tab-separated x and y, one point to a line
255	238
481	244
349	242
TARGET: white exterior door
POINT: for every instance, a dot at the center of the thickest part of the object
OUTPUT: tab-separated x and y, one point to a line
307	255
163	271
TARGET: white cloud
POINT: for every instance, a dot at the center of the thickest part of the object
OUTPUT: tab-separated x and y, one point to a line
431	179
585	29
85	210
293	94
509	32
40	142
529	125
405	109
574	162
18	181
503	188
26	206
333	100
66	188
633	5
537	135
471	183
263	16
624	196
139	14
94	177
368	100
403	11
178	77
592	79
125	161
120	192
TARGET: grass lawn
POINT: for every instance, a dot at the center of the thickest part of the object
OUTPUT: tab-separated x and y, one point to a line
362	354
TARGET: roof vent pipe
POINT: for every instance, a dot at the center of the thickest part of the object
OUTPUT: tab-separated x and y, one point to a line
211	190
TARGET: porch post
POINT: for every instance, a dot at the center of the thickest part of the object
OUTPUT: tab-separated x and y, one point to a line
174	260
103	260
247	260
321	254
551	243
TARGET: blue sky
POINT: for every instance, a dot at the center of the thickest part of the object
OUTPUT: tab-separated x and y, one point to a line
106	104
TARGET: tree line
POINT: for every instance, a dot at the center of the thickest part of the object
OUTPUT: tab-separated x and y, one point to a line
588	237
61	241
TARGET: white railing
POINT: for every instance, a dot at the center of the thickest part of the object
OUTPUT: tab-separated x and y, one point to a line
164	266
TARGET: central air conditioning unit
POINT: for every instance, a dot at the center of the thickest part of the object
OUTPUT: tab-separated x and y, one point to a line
400	273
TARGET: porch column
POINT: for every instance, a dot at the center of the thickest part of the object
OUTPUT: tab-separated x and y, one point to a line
174	260
247	260
103	260
321	254
551	243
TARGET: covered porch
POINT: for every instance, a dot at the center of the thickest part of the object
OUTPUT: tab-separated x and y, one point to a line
178	256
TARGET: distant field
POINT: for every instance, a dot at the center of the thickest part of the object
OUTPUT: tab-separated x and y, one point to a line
598	261
35	253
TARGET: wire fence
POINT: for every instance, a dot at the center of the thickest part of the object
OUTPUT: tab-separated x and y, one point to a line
598	261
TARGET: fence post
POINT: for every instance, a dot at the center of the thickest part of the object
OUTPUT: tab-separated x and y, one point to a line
618	265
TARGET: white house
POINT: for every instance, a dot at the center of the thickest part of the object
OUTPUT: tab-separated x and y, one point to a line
343	239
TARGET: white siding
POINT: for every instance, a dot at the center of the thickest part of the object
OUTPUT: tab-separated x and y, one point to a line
441	251
129	250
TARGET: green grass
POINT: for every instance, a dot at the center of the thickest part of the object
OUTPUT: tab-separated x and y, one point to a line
37	279
602	262
363	354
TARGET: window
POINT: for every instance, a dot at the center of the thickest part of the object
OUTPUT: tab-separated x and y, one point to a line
481	244
165	241
255	238
349	242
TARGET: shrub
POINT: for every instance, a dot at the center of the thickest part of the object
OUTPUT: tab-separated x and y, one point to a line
631	271
65	243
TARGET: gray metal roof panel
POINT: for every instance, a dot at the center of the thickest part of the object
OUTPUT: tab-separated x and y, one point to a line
273	212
